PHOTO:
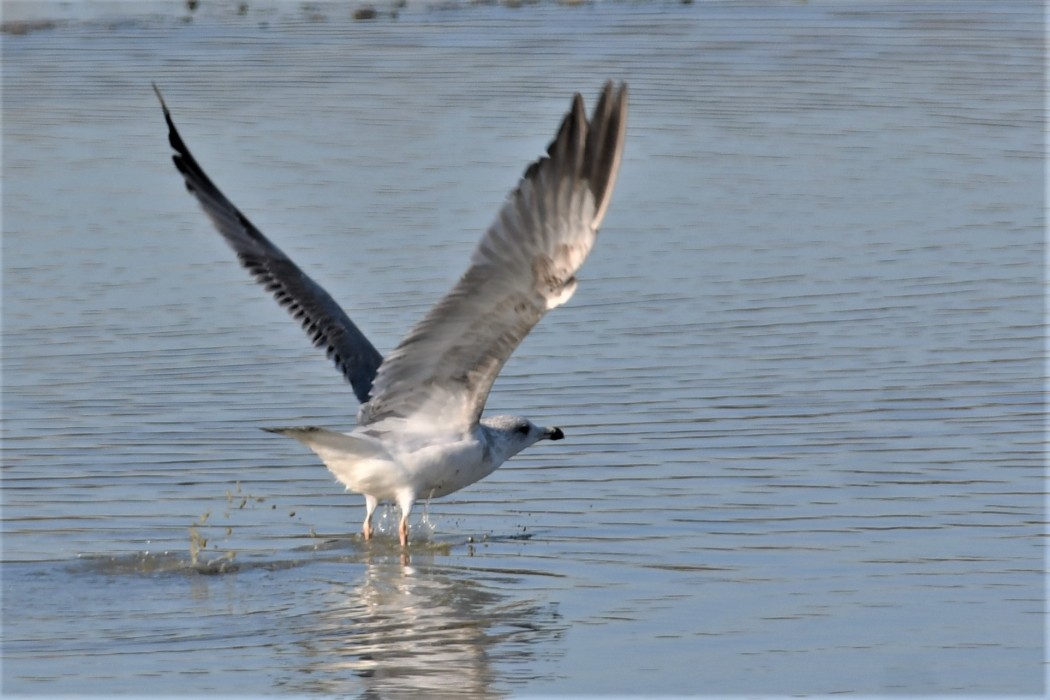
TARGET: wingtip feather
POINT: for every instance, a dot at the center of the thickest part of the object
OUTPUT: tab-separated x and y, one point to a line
605	144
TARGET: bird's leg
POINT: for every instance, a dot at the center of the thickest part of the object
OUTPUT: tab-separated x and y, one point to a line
370	507
405	502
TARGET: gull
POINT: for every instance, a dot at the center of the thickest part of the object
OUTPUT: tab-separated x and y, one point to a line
420	433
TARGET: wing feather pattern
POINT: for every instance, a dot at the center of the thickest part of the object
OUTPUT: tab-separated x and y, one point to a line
322	318
525	265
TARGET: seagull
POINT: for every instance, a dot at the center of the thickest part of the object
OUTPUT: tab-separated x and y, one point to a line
420	433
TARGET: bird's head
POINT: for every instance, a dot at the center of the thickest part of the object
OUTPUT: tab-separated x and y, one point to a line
509	435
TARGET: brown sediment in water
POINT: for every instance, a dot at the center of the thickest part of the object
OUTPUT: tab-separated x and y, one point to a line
365	12
21	27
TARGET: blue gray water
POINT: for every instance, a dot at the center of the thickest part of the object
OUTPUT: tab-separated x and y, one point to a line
801	380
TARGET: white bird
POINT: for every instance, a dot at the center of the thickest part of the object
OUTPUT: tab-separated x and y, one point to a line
419	430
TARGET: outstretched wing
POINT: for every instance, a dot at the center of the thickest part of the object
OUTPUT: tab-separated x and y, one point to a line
324	321
440	375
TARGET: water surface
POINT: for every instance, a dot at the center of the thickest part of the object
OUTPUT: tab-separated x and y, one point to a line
801	380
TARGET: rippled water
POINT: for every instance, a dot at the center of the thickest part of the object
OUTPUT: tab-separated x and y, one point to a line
801	380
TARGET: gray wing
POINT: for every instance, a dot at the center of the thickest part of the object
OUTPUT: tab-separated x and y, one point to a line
323	319
440	375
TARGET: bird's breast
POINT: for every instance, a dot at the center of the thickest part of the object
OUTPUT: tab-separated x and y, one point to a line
439	470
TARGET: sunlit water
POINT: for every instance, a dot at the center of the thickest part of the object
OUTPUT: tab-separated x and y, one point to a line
801	380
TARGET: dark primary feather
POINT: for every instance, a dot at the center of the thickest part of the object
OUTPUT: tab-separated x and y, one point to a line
524	265
324	321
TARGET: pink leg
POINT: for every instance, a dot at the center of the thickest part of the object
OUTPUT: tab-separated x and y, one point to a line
370	507
405	501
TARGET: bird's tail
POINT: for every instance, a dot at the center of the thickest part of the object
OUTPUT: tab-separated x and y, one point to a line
329	444
357	461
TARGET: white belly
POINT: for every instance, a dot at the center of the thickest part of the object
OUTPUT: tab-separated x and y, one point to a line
429	472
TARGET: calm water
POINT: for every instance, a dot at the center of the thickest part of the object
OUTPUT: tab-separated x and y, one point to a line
801	379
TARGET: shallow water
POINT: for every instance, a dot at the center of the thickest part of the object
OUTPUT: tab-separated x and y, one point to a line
801	379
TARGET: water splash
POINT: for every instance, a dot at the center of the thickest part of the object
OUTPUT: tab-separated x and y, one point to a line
152	563
424	529
388	518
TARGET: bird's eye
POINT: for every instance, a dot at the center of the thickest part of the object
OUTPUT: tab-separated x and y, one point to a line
523	429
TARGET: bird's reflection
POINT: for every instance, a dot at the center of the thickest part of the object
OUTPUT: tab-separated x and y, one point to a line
423	630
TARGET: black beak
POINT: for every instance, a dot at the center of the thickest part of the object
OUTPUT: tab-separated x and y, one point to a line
554	434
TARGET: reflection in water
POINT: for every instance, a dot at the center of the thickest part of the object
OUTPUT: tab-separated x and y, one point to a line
342	618
427	628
